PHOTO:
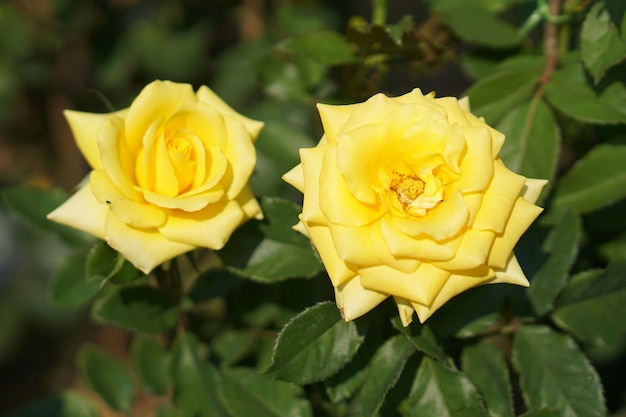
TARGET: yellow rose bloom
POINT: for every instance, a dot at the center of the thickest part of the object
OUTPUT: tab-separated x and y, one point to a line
407	197
170	174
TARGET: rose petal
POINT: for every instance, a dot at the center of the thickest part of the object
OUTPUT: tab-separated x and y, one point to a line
358	159
295	178
402	264
157	100
241	155
144	248
454	112
405	310
84	127
499	199
128	211
206	95
456	284
354	245
374	110
189	204
249	204
110	138
353	300
210	227
312	166
338	271
443	222
522	216
477	165
421	286
336	201
473	252
82	211
334	118
511	274
421	248
532	189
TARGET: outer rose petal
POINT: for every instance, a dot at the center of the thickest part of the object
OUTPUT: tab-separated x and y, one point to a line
334	118
157	99
82	211
456	284
206	95
421	286
210	227
338	271
532	189
85	127
353	300
295	177
144	248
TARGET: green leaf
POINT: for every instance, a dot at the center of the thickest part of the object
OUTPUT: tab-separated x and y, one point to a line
601	45
68	404
397	30
422	338
486	368
195	382
555	373
594	283
597	180
247	393
533	140
351	377
314	345
233	345
105	263
544	412
383	372
34	204
107	376
569	92
477	24
68	286
139	308
271	251
443	392
493	96
151	363
325	46
593	305
562	243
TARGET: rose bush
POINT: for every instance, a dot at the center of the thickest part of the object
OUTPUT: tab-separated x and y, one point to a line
407	197
170	173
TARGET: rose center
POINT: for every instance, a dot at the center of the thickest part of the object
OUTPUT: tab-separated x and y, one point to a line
407	187
178	145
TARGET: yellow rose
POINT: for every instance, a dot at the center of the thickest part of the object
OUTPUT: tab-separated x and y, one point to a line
170	174
407	197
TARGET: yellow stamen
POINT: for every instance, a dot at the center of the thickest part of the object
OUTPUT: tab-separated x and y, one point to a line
407	187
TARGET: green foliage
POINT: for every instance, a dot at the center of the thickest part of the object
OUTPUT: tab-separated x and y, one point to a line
486	368
314	345
69	403
107	376
252	329
553	371
140	308
271	251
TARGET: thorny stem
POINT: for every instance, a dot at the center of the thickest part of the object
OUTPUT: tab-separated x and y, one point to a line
550	44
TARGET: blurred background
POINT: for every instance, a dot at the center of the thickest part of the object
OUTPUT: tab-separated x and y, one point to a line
96	55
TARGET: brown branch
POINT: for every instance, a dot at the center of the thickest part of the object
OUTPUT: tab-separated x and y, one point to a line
550	43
